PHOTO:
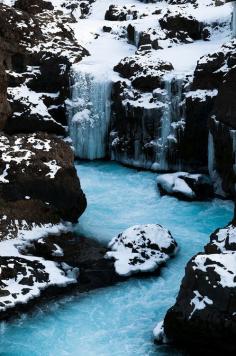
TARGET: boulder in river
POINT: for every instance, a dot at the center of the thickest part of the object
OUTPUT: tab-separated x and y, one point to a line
141	248
203	316
186	186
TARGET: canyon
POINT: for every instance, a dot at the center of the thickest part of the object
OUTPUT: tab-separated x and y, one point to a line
106	105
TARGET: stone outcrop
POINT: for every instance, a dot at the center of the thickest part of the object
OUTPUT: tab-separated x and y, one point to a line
49	266
210	109
203	317
186	186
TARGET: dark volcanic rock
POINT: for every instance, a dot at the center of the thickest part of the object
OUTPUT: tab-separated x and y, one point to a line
33	6
41	167
186	186
145	72
95	271
210	119
203	317
32	53
177	21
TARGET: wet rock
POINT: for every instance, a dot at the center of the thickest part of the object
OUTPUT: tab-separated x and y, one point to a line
186	186
95	271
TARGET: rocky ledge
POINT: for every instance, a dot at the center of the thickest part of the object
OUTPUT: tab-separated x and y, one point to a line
203	317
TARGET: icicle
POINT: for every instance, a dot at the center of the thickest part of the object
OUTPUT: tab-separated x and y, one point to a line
171	120
215	177
89	114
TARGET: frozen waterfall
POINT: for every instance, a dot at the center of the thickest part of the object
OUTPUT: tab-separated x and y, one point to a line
172	120
146	134
234	19
212	169
89	113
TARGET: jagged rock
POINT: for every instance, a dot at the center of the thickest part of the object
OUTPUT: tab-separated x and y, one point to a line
222	240
141	248
186	186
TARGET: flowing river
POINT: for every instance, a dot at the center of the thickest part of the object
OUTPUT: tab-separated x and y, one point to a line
118	320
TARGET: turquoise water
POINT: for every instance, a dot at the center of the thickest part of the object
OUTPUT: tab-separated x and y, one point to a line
118	321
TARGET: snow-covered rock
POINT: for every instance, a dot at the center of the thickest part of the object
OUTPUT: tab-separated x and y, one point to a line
141	248
204	313
40	166
178	22
185	185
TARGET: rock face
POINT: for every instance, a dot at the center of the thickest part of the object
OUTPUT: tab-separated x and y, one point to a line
210	108
176	122
141	248
40	192
33	53
204	314
186	186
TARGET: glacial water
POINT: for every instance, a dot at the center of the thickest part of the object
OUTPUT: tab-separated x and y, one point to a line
117	321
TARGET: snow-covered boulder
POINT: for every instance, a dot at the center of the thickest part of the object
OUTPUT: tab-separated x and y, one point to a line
159	333
185	186
141	248
203	316
43	261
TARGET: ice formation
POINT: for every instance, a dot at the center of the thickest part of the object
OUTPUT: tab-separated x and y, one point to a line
89	113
